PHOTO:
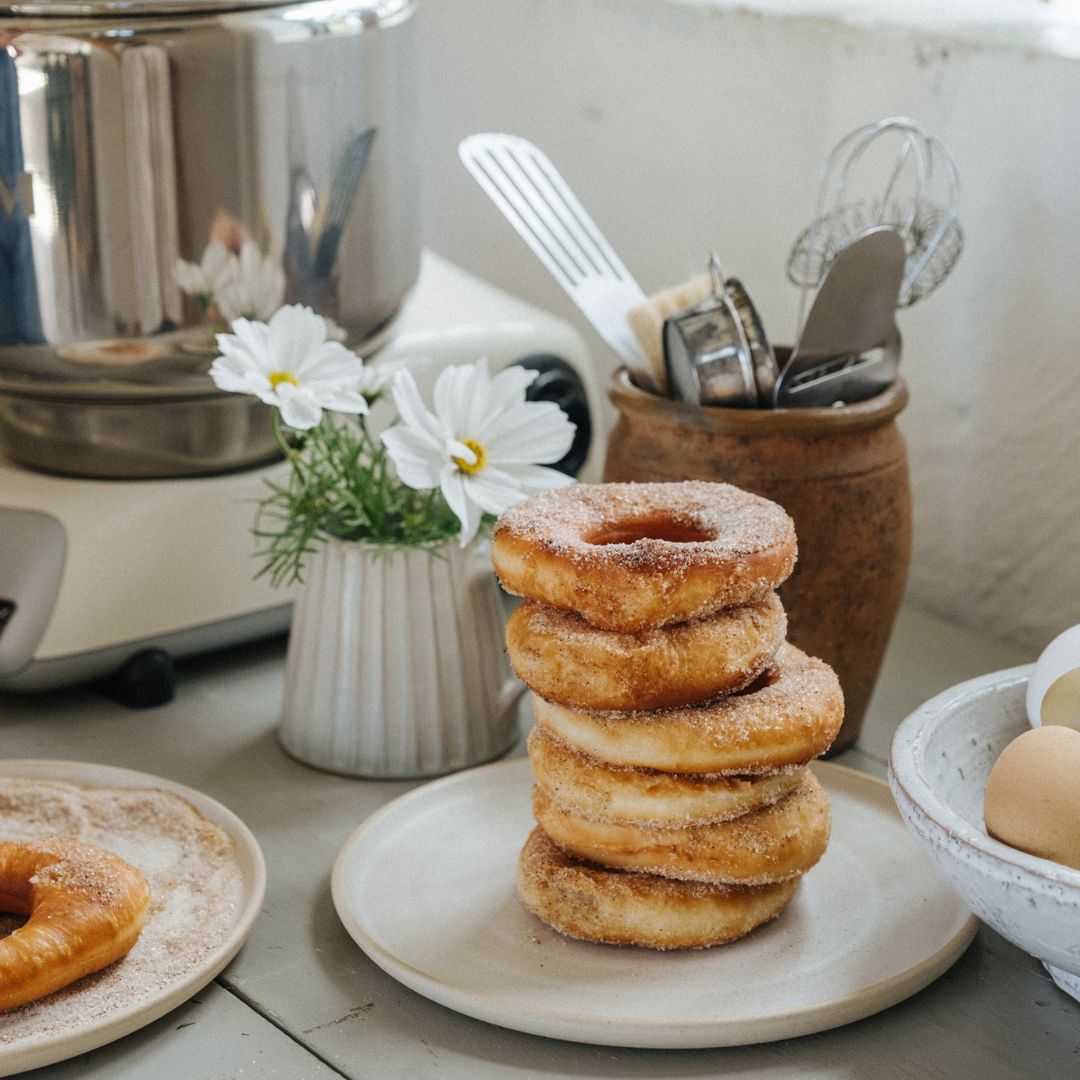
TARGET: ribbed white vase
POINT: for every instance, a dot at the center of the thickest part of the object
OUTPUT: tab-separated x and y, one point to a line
395	664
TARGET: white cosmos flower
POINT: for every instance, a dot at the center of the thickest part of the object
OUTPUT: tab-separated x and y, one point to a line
288	363
254	287
203	279
250	285
483	444
373	381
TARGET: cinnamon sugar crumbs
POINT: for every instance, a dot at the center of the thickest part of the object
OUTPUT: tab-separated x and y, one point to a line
633	556
195	885
635	523
81	869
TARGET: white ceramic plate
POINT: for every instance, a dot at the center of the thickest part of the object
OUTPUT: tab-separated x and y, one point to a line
81	1037
426	888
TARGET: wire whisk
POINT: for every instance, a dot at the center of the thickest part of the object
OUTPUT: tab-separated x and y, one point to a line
919	200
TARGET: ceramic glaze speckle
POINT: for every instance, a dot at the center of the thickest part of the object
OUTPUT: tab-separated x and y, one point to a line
941	757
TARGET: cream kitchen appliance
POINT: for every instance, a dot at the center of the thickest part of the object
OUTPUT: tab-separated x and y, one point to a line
165	167
105	576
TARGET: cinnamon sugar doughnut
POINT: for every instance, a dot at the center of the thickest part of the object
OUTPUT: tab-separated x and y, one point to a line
593	903
591	788
632	556
789	716
566	659
86	909
772	844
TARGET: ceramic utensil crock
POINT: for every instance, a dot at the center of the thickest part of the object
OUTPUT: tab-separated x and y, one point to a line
841	473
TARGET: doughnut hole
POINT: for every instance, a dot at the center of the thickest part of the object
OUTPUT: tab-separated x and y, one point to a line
10	922
654	527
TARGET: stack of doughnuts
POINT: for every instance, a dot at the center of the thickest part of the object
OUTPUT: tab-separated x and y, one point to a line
673	804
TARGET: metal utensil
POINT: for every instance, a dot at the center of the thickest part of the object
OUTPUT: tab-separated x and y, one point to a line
849	347
346	180
762	355
314	226
535	199
716	351
918	200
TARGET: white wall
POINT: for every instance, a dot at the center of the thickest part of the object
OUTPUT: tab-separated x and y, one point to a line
685	126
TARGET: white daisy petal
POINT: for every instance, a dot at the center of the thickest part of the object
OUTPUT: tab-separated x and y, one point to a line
189	277
506	393
215	263
250	340
419	464
493	490
269	396
481	441
531	432
206	277
341	401
295	334
455	396
297	408
331	363
511	383
230	373
410	407
253	285
452	483
373	380
479	405
534	478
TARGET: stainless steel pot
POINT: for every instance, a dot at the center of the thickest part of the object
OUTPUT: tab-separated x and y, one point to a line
274	145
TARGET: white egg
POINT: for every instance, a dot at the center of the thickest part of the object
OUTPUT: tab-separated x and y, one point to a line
1053	693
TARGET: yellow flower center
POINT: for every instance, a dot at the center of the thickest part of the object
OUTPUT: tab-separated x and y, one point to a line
481	457
278	377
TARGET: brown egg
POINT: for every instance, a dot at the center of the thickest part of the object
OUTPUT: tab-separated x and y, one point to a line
1061	702
1032	799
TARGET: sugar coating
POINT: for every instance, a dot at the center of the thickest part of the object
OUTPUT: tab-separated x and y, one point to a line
597	903
564	658
662	776
195	885
788	716
78	868
771	844
727	521
584	785
634	556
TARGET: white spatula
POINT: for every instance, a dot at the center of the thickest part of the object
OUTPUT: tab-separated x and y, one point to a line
535	199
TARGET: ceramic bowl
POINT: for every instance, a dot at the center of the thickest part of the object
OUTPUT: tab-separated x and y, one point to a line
941	757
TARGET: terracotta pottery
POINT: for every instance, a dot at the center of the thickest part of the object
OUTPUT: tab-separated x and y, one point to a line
842	475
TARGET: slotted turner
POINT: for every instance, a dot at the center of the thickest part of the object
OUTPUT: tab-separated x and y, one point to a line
521	181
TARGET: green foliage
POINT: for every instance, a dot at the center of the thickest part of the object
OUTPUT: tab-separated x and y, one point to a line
341	484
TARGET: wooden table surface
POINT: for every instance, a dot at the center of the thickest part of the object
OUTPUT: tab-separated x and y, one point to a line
301	1000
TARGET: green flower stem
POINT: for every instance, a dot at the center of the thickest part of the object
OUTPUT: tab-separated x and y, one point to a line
341	484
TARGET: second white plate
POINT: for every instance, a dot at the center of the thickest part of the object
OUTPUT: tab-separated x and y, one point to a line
80	1034
426	888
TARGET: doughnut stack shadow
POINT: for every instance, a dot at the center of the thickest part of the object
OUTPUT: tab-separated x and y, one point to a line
673	804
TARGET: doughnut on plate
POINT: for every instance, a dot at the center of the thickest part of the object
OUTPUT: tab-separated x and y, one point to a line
146	984
633	556
427	888
563	658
